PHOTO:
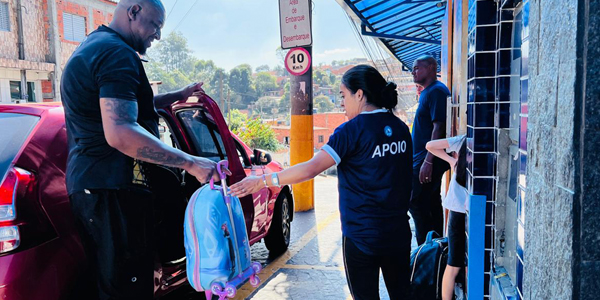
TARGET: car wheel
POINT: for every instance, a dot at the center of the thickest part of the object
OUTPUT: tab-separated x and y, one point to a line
278	239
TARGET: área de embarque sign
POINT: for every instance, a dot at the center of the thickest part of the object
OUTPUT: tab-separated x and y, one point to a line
294	16
297	61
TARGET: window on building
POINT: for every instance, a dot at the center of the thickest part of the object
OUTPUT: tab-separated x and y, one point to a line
4	17
15	91
320	139
286	140
73	27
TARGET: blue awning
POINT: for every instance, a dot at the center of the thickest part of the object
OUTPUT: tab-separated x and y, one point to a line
407	28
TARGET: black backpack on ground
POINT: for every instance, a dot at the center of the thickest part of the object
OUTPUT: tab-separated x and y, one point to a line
428	263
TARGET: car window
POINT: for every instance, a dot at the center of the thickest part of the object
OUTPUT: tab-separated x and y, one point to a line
242	155
166	136
11	140
204	134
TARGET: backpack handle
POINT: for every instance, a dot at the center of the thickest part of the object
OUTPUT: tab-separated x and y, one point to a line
430	234
221	173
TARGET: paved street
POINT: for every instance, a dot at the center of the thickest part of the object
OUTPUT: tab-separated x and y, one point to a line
313	267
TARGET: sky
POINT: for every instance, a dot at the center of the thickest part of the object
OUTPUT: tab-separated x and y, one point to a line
234	32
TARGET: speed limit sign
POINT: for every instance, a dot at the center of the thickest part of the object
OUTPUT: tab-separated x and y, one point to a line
297	61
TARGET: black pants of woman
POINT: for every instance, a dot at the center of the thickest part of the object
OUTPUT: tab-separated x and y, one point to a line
362	273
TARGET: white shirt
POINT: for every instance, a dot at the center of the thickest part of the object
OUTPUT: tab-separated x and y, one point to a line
457	197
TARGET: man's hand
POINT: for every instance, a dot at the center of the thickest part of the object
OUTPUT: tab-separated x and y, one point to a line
425	172
204	169
188	91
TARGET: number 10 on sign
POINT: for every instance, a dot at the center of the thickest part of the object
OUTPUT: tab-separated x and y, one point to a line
297	61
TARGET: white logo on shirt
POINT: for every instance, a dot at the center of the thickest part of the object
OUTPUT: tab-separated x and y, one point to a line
392	148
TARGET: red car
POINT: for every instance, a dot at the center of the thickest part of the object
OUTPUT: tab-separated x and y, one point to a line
41	256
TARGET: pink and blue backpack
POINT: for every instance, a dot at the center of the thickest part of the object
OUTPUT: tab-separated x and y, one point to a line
216	242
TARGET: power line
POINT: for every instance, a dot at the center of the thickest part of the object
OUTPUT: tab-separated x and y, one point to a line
191	8
171	10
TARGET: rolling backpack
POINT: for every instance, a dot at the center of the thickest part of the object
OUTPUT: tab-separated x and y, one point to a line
216	242
428	263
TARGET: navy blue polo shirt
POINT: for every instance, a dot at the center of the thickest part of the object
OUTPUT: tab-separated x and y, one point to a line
432	108
373	153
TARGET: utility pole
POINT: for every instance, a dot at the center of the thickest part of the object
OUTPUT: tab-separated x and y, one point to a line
21	44
301	133
221	100
228	107
295	20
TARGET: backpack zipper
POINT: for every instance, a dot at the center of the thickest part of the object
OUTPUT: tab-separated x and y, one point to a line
415	263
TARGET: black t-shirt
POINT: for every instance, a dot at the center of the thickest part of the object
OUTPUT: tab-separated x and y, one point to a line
432	108
373	154
103	66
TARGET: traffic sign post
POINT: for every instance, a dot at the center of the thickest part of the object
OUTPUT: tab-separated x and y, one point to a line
297	61
295	17
295	23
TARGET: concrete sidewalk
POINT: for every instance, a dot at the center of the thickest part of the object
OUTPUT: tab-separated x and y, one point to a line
313	267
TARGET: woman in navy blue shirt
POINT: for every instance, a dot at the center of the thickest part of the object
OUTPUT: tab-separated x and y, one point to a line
373	154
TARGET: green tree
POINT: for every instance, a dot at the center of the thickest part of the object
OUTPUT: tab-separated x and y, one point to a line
256	134
285	103
263	68
238	120
264	105
240	82
212	85
265	82
174	54
320	77
323	104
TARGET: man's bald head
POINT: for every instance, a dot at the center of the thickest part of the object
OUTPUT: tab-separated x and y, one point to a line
128	3
139	22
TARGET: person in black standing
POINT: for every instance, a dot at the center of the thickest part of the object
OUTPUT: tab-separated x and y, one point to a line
429	124
111	121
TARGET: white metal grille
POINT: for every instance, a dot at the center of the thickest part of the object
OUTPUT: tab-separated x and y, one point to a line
73	27
4	17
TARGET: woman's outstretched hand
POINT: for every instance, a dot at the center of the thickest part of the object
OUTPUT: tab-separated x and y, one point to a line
247	186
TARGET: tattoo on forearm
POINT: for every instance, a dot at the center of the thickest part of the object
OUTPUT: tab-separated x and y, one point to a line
122	111
159	157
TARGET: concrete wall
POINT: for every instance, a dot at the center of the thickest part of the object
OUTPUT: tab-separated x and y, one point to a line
36	41
562	206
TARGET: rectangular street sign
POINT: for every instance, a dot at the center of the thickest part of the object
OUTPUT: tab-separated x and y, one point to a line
295	23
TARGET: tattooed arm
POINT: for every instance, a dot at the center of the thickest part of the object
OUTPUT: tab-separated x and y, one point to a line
122	132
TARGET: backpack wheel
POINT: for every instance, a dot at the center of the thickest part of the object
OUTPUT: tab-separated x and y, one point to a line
230	290
254	280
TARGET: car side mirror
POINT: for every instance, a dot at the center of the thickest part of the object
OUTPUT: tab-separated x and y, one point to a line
261	158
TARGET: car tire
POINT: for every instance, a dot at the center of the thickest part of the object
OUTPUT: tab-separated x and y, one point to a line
278	238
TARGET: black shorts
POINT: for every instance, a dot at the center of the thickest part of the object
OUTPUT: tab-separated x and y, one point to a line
116	228
456	239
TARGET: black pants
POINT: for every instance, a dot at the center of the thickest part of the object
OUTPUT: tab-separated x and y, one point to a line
116	232
426	202
456	239
362	273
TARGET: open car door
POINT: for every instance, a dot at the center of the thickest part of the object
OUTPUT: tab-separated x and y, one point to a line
202	131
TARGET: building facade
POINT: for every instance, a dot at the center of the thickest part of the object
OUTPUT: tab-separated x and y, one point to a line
37	37
524	81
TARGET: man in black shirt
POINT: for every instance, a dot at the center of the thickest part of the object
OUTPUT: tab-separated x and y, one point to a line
111	120
429	124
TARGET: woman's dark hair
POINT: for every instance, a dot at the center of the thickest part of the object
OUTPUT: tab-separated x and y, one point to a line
378	91
461	164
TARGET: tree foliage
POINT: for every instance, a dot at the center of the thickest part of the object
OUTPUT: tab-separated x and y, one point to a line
265	82
253	132
320	77
323	104
240	81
